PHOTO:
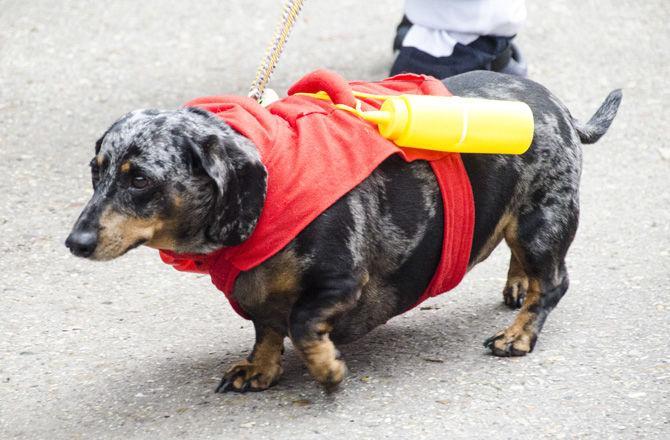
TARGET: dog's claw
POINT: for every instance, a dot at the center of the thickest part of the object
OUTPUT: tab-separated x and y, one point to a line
227	384
500	353
489	341
224	386
513	296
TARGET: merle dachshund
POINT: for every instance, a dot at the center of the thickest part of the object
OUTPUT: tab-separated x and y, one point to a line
161	179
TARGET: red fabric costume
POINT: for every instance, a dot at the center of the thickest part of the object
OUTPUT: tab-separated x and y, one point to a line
315	154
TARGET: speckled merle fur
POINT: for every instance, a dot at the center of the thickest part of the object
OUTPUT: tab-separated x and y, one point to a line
371	255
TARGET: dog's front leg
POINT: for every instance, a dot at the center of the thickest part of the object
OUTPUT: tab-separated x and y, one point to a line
312	319
261	369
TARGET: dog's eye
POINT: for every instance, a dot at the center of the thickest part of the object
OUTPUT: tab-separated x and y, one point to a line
140	182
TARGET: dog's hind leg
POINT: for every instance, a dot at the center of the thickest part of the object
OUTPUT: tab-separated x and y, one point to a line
539	246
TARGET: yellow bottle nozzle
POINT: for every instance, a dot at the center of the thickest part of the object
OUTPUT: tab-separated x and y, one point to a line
377	117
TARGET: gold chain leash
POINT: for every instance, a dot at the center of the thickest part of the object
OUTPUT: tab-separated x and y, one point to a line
274	50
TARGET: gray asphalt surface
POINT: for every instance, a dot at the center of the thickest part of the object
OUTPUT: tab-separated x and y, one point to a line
133	349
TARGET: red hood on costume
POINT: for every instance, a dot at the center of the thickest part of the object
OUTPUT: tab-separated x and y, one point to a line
315	154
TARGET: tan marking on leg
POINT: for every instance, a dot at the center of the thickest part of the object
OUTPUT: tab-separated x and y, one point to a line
99	159
518	338
511	234
318	351
315	346
268	349
262	368
493	241
323	327
320	356
517	283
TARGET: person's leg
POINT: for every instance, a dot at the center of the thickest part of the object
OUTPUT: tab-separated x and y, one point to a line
443	38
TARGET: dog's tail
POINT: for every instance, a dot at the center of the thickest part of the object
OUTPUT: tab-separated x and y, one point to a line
597	126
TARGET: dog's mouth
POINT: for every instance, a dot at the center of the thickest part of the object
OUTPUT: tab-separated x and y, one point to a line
107	253
137	244
115	242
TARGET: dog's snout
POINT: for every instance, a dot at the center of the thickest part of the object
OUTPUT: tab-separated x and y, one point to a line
82	243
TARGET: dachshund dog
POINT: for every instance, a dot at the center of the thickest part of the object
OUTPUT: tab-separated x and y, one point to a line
183	180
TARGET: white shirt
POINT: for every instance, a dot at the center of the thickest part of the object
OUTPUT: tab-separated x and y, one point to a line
440	24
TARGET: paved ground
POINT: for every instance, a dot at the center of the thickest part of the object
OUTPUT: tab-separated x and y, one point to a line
131	349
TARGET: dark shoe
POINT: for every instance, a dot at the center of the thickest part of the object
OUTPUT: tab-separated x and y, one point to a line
478	55
400	32
511	62
485	53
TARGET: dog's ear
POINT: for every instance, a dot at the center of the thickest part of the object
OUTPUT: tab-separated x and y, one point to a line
234	165
98	143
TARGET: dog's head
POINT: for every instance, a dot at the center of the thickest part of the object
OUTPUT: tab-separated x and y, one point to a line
180	180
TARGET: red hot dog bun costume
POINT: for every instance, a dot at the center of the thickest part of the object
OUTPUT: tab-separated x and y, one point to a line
315	154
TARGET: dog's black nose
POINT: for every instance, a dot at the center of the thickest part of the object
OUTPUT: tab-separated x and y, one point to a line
82	243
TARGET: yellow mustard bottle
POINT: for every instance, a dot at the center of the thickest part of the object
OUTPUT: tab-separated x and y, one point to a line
455	124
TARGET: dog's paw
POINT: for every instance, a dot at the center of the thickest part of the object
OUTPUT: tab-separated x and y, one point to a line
515	291
323	362
329	374
248	376
511	342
